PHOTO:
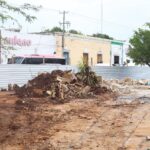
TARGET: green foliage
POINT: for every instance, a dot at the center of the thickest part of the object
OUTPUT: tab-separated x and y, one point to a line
139	50
75	32
103	36
56	29
53	30
87	76
6	9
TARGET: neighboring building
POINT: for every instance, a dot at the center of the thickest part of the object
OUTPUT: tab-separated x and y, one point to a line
17	43
93	51
117	53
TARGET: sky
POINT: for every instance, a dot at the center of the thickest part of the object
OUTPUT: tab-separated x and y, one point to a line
120	17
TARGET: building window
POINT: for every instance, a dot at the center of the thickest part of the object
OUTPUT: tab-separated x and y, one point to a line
116	59
99	58
85	58
33	61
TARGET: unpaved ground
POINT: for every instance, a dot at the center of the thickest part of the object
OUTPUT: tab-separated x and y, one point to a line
88	124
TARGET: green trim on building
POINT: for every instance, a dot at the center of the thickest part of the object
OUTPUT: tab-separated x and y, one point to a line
117	43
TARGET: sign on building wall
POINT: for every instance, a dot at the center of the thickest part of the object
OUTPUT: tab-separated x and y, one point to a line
16	43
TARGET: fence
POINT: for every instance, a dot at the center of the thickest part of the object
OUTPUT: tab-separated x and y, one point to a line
20	74
123	72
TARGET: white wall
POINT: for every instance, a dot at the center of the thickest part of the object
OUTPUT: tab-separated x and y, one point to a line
39	44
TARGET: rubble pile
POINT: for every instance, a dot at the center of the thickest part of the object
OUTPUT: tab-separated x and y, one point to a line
62	85
126	86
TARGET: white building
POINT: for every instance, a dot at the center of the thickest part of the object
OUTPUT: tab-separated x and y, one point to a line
16	43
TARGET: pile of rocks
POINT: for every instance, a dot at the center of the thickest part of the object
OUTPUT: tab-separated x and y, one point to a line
125	86
61	85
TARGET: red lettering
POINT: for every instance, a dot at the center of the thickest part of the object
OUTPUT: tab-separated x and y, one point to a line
17	41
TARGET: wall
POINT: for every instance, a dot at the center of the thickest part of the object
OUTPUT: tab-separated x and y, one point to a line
77	45
134	72
20	74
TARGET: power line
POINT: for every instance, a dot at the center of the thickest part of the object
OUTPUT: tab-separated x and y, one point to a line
89	17
81	15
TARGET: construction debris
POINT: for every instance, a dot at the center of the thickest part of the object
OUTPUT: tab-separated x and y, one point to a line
126	85
62	85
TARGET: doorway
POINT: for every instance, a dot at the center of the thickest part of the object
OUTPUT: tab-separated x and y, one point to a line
85	58
66	56
116	60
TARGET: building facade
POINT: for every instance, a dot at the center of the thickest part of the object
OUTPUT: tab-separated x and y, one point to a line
93	51
78	48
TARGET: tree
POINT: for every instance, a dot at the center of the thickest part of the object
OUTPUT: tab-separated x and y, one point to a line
139	50
7	9
56	29
53	30
75	32
5	15
103	36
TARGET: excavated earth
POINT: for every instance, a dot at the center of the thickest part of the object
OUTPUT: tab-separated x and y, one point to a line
100	123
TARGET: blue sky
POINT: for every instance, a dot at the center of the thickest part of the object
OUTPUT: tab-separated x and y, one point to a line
120	17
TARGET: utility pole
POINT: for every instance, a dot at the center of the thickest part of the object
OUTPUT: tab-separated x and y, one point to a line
64	23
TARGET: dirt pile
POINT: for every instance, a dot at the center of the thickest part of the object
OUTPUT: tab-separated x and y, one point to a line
62	85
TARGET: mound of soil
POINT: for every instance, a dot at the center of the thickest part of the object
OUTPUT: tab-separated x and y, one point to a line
61	85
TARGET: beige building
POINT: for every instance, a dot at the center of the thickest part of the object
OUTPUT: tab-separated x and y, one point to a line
77	48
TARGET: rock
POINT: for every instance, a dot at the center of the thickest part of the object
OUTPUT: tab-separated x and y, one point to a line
141	82
38	92
100	79
65	88
70	76
142	102
3	89
115	87
127	80
10	87
49	93
86	90
148	138
126	90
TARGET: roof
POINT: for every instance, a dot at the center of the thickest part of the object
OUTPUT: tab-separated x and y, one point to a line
40	56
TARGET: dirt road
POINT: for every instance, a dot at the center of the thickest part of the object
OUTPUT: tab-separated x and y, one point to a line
88	124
